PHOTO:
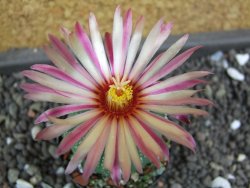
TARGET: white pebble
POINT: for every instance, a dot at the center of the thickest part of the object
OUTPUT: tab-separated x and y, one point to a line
235	124
242	58
35	130
220	182
241	157
235	74
225	63
60	171
231	177
9	140
217	56
68	185
20	183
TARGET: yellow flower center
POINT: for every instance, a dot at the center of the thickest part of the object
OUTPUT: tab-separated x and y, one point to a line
119	94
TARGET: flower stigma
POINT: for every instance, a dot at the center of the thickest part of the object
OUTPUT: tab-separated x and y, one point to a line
119	94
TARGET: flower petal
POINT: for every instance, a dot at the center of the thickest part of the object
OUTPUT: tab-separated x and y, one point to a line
81	46
74	136
70	66
183	101
165	58
132	148
50	97
150	46
76	119
109	50
97	43
127	30
123	154
117	37
56	130
156	138
62	110
171	130
94	155
57	73
143	146
109	156
147	141
56	84
173	95
173	110
171	82
133	47
170	66
87	144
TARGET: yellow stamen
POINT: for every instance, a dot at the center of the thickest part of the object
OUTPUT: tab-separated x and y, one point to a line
119	94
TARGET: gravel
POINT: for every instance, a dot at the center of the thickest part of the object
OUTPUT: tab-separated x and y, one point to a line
222	152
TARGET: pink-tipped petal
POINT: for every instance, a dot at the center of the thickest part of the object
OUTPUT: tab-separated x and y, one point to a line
165	58
145	142
123	154
94	155
156	138
98	47
169	129
76	119
55	84
133	47
57	73
171	66
147	51
117	37
75	135
174	110
109	50
181	101
171	82
86	144
70	66
127	30
62	110
173	95
109	155
132	148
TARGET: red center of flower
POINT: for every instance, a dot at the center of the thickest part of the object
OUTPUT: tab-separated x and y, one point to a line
118	98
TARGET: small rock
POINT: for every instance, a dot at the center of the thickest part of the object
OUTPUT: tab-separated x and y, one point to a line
230	177
242	59
60	171
20	183
52	151
35	130
208	91
13	175
68	185
235	124
160	170
225	63
176	185
45	185
235	74
31	169
135	177
217	56
241	157
9	140
2	118
160	184
220	182
36	179
31	113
